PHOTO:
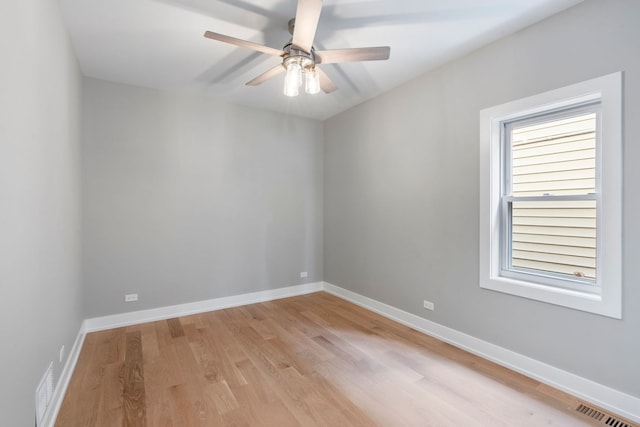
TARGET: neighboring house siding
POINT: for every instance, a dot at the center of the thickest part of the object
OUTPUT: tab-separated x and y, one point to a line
557	158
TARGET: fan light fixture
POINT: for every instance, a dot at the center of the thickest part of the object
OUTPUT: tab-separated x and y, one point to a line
300	65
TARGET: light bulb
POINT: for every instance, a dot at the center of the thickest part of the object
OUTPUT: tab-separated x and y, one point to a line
293	79
312	81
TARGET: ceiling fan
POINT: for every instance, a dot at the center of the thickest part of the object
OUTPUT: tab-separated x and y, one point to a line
300	60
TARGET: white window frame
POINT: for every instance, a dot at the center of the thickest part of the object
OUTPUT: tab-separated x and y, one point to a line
607	300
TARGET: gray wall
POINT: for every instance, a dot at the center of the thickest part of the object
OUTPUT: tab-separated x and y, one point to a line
187	198
40	293
402	203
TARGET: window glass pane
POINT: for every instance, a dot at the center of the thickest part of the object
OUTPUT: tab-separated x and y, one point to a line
557	157
555	236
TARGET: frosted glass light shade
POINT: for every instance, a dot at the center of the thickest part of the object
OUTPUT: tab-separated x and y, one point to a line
293	79
312	81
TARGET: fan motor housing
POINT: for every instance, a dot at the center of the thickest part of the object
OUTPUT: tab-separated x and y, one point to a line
293	54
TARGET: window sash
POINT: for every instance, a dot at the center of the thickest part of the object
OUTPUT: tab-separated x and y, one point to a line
550	278
507	200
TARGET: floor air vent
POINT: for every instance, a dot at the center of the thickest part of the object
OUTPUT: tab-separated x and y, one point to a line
601	416
590	412
616	423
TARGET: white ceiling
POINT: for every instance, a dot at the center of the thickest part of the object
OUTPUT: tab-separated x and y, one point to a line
160	44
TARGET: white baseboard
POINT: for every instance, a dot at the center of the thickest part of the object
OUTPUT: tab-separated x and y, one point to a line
51	413
607	398
161	313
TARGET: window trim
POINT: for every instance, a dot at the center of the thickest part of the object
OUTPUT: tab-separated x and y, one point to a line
607	91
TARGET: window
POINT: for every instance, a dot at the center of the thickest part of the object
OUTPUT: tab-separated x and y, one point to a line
551	185
549	201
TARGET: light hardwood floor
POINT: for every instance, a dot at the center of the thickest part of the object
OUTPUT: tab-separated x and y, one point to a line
313	360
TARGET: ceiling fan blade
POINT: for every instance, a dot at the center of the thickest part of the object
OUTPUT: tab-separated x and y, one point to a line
326	84
266	75
243	43
307	16
350	55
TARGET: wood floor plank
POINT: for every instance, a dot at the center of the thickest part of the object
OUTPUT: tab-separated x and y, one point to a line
159	410
133	393
175	328
198	399
313	360
222	396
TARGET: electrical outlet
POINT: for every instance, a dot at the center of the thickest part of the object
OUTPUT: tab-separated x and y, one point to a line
61	354
304	274
429	305
131	297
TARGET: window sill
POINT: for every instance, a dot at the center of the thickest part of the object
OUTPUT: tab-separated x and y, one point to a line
584	301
